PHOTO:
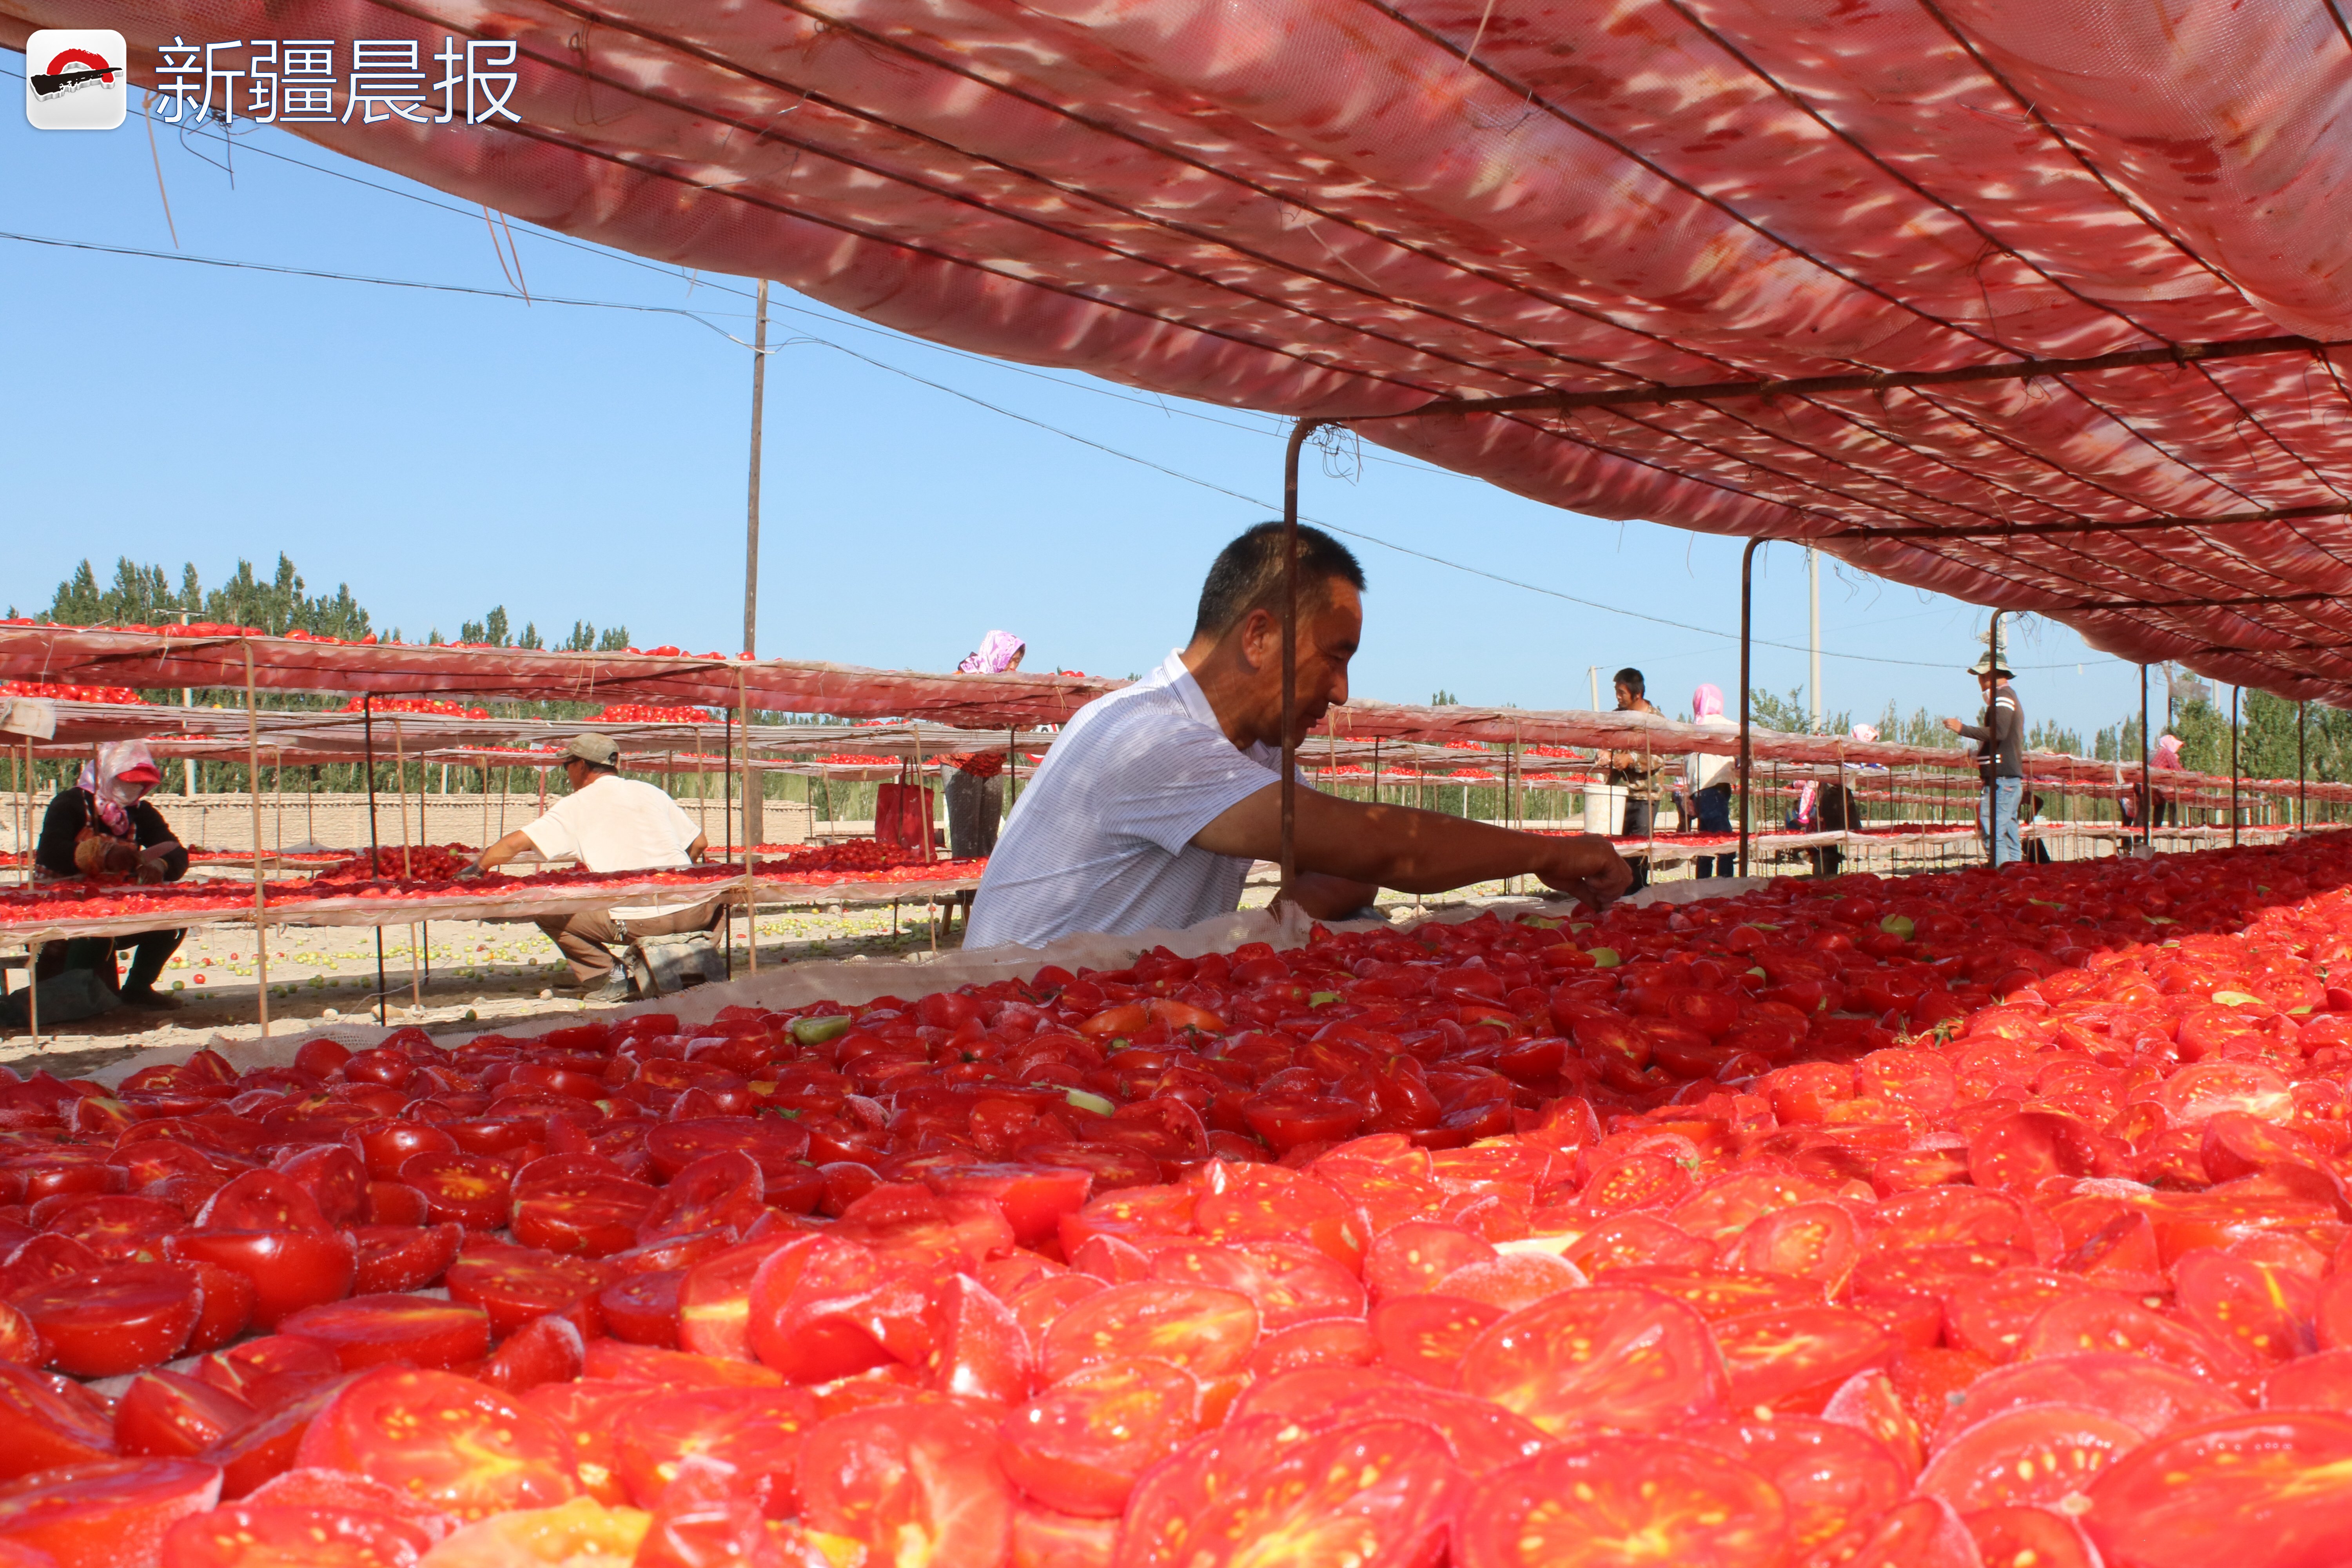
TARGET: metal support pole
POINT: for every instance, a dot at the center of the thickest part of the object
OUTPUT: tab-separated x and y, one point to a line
751	888
751	518
2147	794
1746	759
2236	692
376	869
1289	847
1813	601
2301	771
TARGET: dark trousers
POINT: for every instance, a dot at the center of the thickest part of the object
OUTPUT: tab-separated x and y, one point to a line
975	808
1712	808
586	940
1637	825
149	950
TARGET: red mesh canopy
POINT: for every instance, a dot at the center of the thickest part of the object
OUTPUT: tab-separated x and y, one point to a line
1355	206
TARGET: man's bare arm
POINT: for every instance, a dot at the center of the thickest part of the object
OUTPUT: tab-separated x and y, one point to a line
499	854
1412	851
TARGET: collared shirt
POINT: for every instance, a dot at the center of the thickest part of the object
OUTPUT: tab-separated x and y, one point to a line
1101	838
612	824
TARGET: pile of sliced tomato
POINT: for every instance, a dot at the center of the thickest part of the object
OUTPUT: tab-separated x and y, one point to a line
1964	1220
64	692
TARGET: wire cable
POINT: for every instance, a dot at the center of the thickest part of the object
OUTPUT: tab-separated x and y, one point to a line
700	320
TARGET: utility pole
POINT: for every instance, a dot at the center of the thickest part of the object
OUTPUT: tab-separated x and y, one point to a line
752	799
1814	594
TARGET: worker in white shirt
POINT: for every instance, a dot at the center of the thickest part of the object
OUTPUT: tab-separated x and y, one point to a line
1156	798
1707	782
609	823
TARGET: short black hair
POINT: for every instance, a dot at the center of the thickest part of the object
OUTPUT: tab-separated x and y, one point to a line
1631	680
1247	575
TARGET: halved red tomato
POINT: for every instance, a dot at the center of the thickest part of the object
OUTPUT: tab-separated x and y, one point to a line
2322	1382
516	1284
595	1216
1374	1493
2255	1491
1791	1362
581	1532
1425	1336
50	1422
2030	1538
714	1300
172	1415
105	1513
2266	1313
642	1307
1485	1436
1289	1283
442	1437
368	1331
2034	1453
268	1535
2086	1324
118	1319
1836	1480
1611	1356
290	1269
829	1308
2148	1396
1605	1501
472	1190
262	1200
1206	1331
1079	1446
404	1256
756	1431
915	1484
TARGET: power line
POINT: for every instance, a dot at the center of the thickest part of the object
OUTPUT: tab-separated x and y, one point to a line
471	291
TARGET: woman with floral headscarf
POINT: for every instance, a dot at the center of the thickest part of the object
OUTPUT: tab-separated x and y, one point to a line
976	788
104	829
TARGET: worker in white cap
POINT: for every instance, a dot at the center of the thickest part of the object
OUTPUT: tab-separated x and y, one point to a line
609	823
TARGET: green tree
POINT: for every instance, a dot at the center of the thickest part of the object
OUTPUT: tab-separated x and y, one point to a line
1790	714
1918	730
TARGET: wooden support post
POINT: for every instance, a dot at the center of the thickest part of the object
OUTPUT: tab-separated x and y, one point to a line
260	884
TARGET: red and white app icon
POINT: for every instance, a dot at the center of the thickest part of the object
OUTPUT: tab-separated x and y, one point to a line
76	78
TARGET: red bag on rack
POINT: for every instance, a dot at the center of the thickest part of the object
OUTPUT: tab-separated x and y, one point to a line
903	815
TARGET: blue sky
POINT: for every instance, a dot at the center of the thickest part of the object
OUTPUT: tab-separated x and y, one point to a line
443	452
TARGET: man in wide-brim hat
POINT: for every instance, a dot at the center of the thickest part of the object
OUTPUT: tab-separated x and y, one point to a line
2001	755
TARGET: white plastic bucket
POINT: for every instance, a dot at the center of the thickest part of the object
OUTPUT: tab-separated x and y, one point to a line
1604	808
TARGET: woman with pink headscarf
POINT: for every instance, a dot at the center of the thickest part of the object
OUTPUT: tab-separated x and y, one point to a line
2164	811
976	788
1707	781
104	829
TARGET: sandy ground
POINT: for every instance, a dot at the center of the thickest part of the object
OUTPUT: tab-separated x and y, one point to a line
482	972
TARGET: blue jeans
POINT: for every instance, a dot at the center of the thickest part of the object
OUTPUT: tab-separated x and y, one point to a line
1997	819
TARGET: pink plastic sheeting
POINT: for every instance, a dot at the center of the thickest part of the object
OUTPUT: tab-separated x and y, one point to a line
1347	206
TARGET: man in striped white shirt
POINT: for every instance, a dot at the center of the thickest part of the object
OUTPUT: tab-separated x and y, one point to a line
1156	798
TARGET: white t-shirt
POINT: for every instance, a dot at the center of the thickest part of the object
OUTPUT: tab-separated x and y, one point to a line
1100	839
612	824
1702	770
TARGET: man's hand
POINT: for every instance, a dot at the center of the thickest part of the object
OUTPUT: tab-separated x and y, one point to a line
1589	870
467	873
1954	725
